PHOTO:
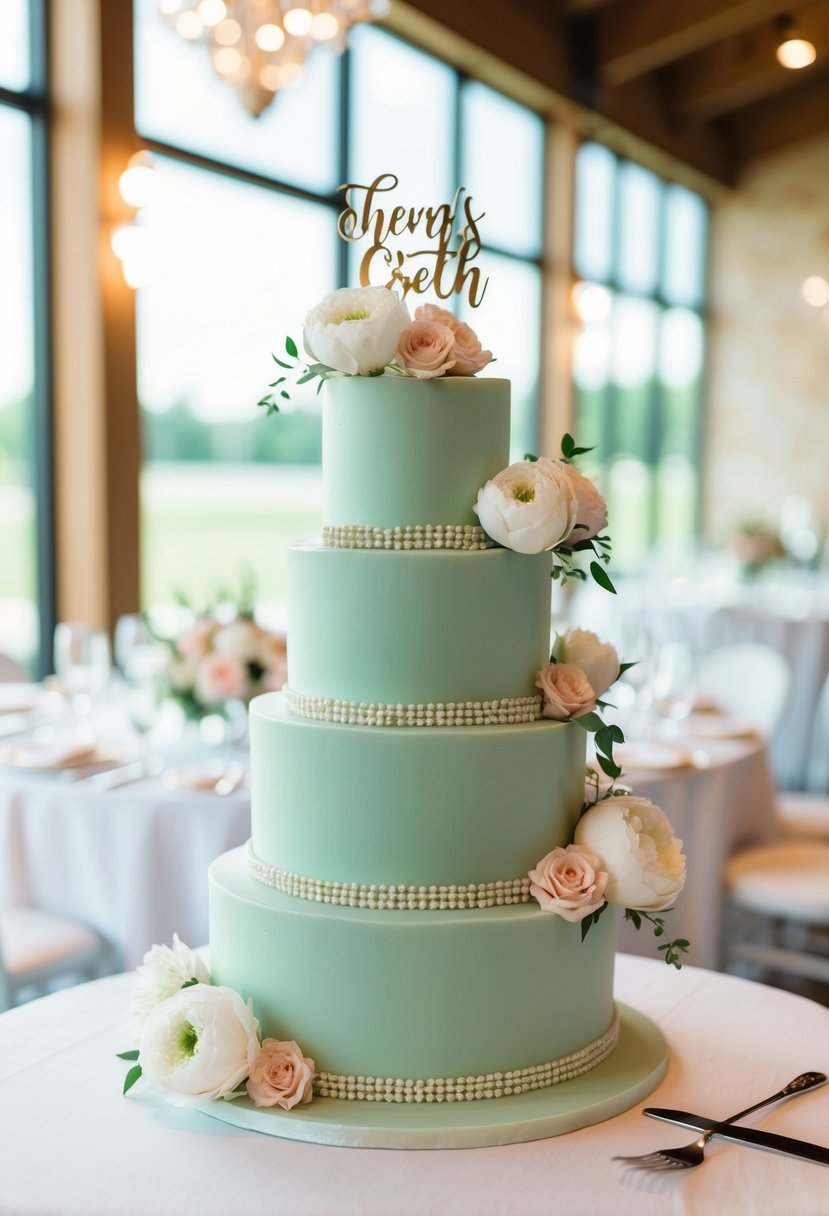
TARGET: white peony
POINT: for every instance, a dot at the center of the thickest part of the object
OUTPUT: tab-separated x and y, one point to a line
635	844
356	330
199	1044
241	638
529	506
164	970
597	659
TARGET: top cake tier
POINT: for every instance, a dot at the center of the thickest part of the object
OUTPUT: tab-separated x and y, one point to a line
399	452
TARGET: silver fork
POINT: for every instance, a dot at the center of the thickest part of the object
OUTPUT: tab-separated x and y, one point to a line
691	1155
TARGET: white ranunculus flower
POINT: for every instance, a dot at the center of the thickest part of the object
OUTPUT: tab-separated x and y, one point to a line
199	1044
529	506
241	638
164	970
636	845
356	330
597	659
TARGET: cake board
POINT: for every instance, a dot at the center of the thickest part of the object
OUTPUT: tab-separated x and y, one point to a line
626	1077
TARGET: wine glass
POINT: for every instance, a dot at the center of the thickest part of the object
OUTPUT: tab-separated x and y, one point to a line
83	662
674	684
141	661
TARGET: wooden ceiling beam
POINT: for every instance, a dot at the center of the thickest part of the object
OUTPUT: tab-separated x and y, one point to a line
741	70
801	113
638	108
633	39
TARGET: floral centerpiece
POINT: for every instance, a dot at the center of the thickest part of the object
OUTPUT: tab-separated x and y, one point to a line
756	546
220	659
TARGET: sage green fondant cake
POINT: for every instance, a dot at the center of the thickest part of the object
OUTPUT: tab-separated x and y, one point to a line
404	782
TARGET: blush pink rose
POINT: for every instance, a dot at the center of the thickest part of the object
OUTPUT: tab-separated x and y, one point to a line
470	357
569	882
567	691
591	508
425	349
273	655
220	677
281	1075
196	640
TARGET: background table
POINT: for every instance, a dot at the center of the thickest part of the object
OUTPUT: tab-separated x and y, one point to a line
72	1144
131	862
724	801
790	614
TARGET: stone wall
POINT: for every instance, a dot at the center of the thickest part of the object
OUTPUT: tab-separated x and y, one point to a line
767	424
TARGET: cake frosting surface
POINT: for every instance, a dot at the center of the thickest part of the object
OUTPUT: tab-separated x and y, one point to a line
383	904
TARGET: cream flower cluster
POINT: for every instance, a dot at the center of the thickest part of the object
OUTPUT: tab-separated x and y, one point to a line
624	852
199	1042
214	662
582	670
538	505
363	331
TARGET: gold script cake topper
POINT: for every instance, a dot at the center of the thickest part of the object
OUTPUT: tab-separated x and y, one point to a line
443	266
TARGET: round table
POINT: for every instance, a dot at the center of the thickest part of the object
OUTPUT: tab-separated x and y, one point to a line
72	1144
721	799
131	861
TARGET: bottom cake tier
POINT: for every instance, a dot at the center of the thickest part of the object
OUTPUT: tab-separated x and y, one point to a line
416	1005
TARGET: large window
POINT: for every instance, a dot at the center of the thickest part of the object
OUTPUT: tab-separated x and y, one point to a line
639	257
26	598
243	241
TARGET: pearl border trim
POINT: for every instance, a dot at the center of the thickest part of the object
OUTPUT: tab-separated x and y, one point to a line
464	1089
453	713
411	536
392	896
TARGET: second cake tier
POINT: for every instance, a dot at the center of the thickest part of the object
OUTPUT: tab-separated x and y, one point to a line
416	627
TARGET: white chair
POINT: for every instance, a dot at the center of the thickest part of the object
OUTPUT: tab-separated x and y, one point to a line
749	680
806	813
11	672
38	949
777	909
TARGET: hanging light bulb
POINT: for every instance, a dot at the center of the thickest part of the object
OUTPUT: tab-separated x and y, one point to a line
793	50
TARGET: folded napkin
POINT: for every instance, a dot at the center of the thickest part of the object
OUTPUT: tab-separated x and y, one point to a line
55	755
652	755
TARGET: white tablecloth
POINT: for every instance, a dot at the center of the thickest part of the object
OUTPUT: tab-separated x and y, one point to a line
714	810
130	862
73	1146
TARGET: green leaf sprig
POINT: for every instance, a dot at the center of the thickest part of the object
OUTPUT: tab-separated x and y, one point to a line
672	949
599	546
296	372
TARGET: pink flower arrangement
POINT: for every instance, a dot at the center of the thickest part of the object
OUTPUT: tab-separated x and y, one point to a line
214	662
436	343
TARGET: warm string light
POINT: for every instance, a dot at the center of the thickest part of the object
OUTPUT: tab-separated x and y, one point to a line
261	48
131	243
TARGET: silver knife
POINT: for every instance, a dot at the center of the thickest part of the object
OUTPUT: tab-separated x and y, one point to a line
751	1136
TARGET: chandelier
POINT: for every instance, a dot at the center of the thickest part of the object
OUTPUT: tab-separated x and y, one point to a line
260	46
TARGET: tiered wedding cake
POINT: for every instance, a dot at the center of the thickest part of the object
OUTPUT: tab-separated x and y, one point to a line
404	784
412	949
